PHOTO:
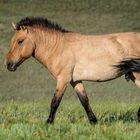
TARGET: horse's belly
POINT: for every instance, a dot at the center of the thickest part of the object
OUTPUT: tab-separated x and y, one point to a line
95	73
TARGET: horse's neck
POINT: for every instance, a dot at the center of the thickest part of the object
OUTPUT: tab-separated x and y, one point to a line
46	43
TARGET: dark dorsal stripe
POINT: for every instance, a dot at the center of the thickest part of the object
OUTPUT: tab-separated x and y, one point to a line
40	22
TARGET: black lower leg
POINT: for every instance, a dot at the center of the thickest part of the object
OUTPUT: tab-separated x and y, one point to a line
138	114
54	105
85	102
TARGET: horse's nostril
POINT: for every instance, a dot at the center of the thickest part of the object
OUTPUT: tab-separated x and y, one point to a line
9	65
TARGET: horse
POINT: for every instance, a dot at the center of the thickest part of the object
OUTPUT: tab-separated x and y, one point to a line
73	57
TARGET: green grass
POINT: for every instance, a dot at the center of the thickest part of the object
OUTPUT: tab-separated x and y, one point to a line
25	95
25	120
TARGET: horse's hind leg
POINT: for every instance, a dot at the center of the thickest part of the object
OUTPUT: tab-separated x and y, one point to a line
79	88
138	114
135	77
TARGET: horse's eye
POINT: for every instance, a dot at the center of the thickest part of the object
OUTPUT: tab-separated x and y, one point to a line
20	42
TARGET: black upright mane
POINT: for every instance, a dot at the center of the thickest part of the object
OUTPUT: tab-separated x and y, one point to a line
39	22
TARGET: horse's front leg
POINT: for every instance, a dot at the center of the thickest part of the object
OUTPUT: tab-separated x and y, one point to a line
60	89
79	88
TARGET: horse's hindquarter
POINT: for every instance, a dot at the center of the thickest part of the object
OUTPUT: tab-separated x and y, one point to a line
96	58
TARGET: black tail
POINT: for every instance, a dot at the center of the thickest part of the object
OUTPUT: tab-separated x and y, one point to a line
129	65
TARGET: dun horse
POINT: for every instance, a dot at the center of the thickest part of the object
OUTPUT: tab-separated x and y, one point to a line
73	57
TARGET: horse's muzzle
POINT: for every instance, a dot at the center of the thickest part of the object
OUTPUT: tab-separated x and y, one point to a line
11	66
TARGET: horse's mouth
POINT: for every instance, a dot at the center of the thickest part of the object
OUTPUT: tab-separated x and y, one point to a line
13	66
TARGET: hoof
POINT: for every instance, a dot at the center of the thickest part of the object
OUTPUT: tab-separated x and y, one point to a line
49	122
93	121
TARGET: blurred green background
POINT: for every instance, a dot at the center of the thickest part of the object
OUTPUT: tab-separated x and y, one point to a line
32	81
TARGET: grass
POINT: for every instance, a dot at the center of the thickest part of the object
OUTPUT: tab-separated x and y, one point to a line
25	95
26	121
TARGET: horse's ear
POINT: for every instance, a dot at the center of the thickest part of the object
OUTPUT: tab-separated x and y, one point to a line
14	25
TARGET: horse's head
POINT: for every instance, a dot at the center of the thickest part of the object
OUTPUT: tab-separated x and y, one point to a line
22	47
